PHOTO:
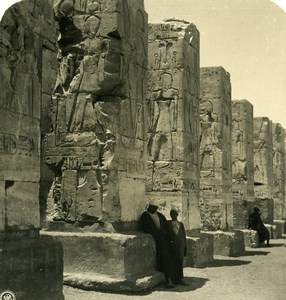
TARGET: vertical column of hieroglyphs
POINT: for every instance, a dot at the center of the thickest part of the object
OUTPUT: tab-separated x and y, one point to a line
242	161
278	170
172	97
96	147
215	149
263	167
27	31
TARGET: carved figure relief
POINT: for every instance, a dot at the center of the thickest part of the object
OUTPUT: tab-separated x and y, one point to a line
209	139
165	100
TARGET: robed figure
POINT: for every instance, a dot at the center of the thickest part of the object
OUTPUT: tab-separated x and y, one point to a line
156	224
256	223
178	246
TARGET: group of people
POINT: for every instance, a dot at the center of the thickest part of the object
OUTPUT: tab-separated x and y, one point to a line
170	242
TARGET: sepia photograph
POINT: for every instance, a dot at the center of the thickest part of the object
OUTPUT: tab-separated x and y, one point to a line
142	149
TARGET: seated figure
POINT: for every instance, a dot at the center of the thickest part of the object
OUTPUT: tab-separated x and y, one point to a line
256	223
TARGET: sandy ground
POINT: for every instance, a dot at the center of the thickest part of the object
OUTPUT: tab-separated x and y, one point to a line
258	275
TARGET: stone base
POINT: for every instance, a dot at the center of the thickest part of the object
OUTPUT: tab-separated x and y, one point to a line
271	230
228	243
275	230
109	261
281	224
251	239
31	266
200	251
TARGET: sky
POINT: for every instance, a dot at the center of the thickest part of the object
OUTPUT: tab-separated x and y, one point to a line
246	37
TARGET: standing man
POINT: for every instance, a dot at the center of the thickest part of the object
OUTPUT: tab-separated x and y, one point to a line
178	246
156	224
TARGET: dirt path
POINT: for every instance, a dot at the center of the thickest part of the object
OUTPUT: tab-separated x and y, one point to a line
258	275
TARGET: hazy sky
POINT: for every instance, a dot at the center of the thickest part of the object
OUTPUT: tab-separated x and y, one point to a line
246	37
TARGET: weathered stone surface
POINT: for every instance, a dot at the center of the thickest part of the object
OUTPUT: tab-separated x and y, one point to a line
104	283
278	229
200	251
98	114
31	267
173	121
27	32
115	261
281	223
278	139
263	167
271	229
266	207
251	239
242	161
215	149
22	206
228	243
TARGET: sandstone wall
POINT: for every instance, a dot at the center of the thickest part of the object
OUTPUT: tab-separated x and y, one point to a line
242	161
173	123
263	167
97	143
278	138
215	149
28	35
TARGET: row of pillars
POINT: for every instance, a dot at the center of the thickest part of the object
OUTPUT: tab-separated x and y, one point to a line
204	147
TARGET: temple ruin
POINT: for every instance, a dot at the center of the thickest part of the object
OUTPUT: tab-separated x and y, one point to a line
102	113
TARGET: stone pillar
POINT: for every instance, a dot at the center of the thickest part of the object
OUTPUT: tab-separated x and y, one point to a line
173	100
278	170
263	167
31	265
97	144
215	149
242	161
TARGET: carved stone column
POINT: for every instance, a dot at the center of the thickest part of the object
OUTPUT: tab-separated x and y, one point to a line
263	167
278	170
97	143
173	120
31	264
216	202
242	162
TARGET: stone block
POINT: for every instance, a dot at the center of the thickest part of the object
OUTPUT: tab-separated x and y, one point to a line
228	243
271	229
200	251
251	239
113	262
31	267
279	230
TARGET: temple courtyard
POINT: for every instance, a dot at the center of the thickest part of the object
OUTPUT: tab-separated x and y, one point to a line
260	274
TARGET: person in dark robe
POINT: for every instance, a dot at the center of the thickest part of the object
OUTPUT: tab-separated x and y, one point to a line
256	223
156	224
178	246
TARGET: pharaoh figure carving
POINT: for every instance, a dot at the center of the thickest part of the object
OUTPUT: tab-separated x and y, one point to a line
164	101
209	140
92	88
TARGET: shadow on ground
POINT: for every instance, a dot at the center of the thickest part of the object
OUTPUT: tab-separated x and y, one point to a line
227	263
194	283
254	252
